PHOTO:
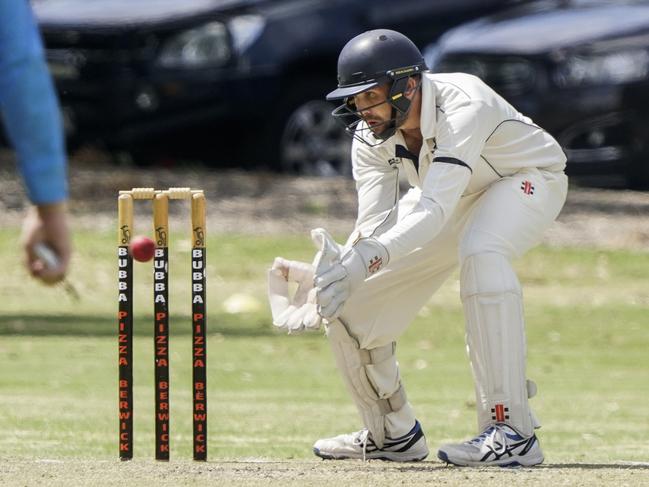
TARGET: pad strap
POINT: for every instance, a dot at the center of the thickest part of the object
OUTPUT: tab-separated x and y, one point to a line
398	399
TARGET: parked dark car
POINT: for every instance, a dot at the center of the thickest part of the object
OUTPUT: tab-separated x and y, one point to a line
245	79
579	68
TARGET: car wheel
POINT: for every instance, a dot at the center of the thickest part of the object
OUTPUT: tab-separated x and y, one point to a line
313	143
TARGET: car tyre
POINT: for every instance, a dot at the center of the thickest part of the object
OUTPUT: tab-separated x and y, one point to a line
306	139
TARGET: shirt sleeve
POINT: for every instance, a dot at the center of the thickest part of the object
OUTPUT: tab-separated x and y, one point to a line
441	191
377	185
460	137
29	106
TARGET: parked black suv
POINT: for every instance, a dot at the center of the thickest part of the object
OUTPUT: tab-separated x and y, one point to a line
579	68
246	77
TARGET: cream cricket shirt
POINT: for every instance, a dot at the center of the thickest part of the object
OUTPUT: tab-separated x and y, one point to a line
472	138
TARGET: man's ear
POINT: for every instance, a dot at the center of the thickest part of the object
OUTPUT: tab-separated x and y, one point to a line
411	87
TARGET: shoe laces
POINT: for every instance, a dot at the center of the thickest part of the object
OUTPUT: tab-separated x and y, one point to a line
493	438
481	438
361	438
497	441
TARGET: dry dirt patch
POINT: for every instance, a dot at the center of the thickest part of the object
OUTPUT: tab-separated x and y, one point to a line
254	472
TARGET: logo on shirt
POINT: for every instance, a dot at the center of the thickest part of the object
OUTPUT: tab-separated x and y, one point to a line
376	263
527	187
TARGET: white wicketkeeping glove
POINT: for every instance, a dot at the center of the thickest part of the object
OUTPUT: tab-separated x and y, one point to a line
340	276
299	312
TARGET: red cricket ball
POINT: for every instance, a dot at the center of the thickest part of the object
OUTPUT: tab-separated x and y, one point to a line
142	248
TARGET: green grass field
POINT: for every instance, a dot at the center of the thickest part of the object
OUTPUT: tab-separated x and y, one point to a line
271	395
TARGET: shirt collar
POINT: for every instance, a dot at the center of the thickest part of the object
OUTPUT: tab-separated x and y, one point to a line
428	117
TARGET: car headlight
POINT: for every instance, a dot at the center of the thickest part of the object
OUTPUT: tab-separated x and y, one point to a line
201	47
612	67
245	29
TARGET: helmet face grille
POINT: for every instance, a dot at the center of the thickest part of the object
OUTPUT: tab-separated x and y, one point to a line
349	115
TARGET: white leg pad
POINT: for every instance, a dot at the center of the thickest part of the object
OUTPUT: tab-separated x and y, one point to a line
495	337
372	377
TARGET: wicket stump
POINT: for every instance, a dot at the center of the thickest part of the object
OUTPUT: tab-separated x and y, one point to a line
160	201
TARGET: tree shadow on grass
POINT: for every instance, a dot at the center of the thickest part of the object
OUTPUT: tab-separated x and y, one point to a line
88	325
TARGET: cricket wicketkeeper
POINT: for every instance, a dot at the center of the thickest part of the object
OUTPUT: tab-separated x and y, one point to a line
485	182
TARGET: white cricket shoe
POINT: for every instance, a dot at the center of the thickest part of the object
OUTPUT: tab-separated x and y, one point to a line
410	447
499	445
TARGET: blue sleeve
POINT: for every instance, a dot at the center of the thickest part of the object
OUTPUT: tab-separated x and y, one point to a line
29	106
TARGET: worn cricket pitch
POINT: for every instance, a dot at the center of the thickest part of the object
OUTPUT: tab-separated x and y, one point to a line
253	472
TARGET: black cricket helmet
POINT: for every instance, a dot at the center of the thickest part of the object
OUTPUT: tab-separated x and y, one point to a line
371	59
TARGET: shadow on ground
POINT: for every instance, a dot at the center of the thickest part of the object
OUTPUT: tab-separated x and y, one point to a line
88	325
